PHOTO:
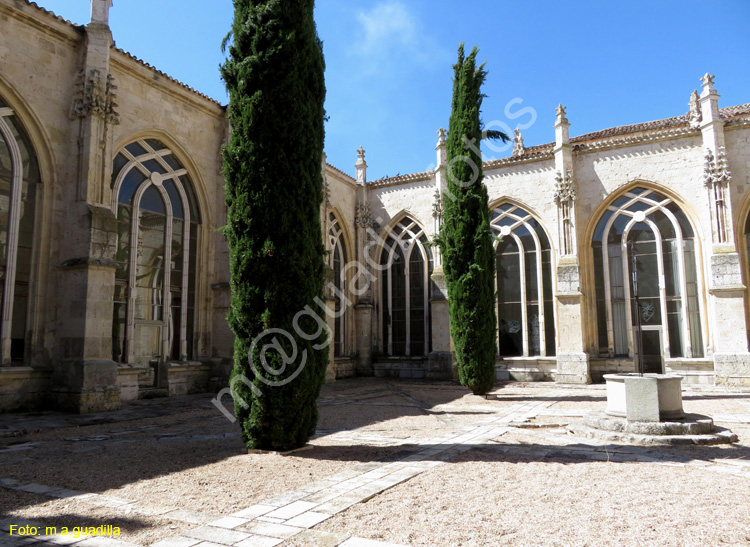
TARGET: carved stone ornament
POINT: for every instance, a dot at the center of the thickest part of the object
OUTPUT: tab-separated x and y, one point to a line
94	96
716	170
363	217
437	206
564	188
518	148
695	116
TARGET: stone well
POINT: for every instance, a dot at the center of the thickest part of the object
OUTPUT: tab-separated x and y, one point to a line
644	398
647	410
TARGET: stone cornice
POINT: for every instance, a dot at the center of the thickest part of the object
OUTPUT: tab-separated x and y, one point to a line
346	177
49	23
402	179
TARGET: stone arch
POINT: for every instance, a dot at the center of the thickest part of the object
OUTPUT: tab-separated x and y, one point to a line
405	264
162	237
638	237
340	254
32	336
525	281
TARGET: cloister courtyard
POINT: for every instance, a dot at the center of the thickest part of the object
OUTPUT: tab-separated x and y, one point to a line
392	463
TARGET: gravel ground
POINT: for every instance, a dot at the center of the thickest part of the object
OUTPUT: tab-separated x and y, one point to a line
484	498
194	460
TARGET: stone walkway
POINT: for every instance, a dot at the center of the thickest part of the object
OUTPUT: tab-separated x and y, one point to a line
293	515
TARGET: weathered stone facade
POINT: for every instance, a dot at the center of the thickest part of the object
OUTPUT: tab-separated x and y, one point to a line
91	134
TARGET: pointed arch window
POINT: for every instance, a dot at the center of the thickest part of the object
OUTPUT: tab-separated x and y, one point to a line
337	261
19	177
645	242
406	263
526	319
155	282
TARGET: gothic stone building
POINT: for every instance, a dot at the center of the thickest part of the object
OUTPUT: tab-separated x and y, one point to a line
115	276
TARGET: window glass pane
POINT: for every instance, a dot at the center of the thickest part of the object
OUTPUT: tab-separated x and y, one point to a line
384	292
152	201
533	326
601	225
6	182
509	299
691	282
154	166
687	230
23	269
417	302
149	284
174	198
130	184
187	185
601	309
398	302
674	327
338	335
28	157
155	144
118	164
135	149
172	162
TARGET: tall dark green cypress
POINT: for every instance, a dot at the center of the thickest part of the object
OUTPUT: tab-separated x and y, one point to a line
274	190
466	240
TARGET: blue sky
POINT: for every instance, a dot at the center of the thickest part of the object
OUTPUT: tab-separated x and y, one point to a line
389	63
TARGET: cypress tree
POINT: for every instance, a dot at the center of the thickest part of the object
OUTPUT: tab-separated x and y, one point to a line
274	190
466	240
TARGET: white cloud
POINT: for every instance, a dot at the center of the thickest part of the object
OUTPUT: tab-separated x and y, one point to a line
390	29
387	25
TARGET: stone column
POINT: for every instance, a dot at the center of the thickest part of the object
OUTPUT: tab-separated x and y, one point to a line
364	309
85	377
726	290
572	359
440	359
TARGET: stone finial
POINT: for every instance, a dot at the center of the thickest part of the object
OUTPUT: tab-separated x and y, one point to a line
708	85
561	114
442	154
100	11
518	148
441	136
361	166
694	113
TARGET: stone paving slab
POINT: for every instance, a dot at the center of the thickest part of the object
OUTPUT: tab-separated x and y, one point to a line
191	517
178	541
279	531
318	538
216	535
308	519
229	522
292	510
61	539
254	511
259	541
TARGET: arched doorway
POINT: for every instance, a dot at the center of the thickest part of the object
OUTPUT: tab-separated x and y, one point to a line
155	282
337	260
646	280
406	265
19	178
526	313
